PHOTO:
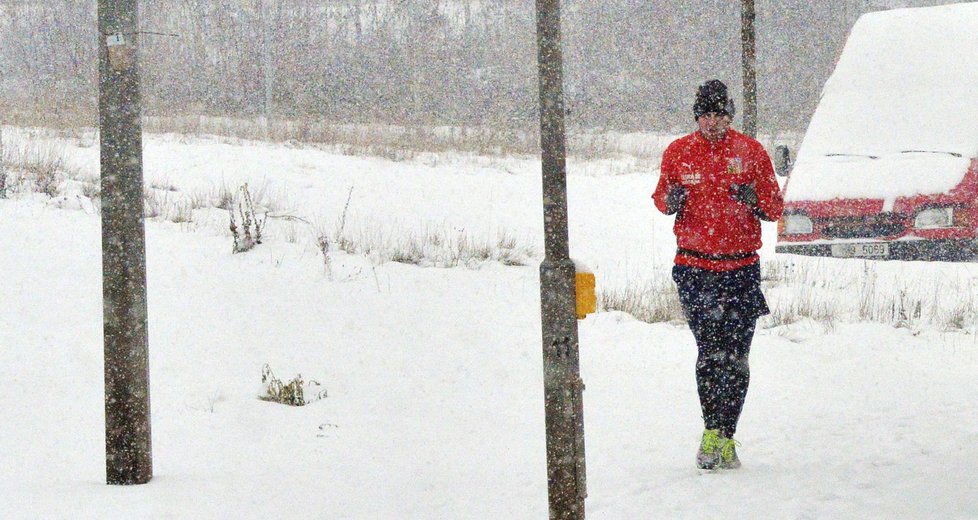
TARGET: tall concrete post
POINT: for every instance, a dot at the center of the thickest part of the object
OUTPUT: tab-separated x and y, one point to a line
264	13
749	59
128	447
563	387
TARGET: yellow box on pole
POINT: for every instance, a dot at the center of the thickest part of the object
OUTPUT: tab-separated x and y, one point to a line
587	301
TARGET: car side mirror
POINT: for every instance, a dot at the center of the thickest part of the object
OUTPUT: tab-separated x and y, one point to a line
782	160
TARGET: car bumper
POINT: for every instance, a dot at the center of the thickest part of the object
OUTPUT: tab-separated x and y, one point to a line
940	250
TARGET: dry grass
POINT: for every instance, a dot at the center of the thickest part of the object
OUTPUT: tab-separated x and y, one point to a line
430	247
904	294
828	292
653	301
38	166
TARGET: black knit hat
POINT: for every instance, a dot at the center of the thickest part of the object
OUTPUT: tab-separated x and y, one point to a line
712	97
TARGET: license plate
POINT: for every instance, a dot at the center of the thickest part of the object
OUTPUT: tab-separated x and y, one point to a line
860	250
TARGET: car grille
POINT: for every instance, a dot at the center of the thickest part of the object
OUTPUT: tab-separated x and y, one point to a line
882	225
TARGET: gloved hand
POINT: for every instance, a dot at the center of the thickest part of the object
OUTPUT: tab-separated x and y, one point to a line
744	193
675	199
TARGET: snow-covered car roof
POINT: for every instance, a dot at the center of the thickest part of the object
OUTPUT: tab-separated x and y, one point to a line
899	115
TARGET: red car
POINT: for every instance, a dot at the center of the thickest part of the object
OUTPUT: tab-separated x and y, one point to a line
887	167
935	226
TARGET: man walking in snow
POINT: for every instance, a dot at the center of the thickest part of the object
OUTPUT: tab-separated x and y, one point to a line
719	183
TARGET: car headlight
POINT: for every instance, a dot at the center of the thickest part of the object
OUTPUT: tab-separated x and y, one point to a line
797	225
934	218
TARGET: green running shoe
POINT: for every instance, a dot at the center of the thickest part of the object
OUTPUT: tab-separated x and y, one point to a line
709	455
728	454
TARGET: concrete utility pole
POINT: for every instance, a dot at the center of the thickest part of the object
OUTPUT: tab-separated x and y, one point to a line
128	447
266	60
747	37
563	387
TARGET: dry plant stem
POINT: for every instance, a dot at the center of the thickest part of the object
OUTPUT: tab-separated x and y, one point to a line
250	233
338	237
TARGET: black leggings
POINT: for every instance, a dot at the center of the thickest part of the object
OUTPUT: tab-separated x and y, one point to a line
721	309
722	370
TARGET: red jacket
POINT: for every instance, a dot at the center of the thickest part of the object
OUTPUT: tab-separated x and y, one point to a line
713	230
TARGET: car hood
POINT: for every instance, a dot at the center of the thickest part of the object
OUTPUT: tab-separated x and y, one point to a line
884	177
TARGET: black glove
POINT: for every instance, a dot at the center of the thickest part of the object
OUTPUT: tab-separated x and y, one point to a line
675	199
744	193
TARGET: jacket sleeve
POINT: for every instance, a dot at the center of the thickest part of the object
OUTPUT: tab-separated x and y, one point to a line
667	179
769	200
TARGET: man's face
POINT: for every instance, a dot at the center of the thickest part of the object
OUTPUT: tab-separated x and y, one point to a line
713	126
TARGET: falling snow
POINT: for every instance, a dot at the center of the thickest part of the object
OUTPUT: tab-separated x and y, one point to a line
862	398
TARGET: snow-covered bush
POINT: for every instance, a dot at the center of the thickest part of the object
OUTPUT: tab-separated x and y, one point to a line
91	187
297	392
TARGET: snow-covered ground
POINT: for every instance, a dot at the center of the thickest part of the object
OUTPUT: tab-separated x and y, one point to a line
434	376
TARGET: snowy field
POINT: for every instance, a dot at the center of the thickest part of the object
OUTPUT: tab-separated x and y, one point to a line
434	375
